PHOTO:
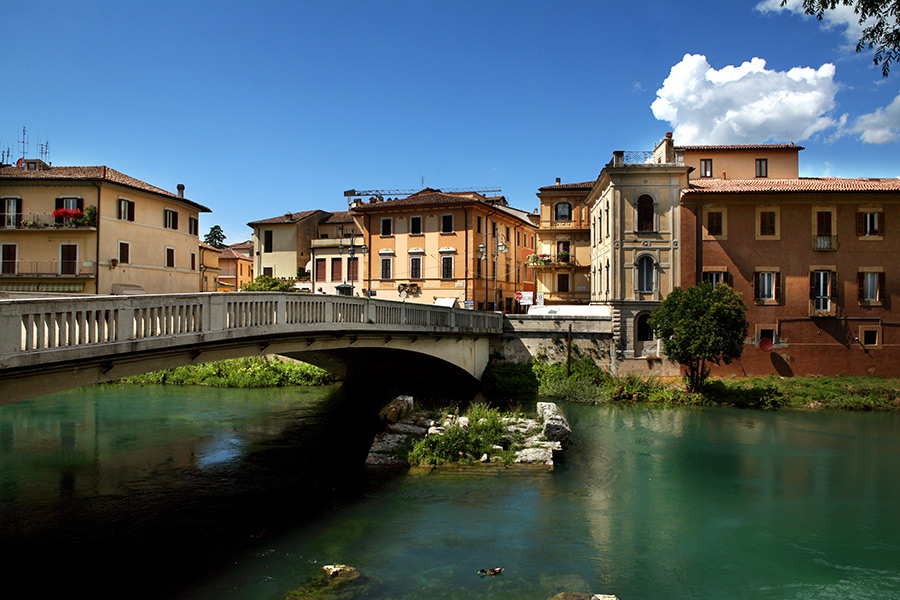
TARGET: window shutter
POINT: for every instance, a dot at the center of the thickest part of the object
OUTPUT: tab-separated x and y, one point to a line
59	205
119	214
861	285
881	287
3	211
130	211
165	218
880	223
80	204
860	223
175	220
729	279
756	286
778	287
833	286
812	285
18	212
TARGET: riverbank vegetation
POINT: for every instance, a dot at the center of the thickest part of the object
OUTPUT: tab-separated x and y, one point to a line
252	372
585	382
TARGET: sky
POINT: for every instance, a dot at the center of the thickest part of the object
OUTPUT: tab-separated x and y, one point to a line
267	107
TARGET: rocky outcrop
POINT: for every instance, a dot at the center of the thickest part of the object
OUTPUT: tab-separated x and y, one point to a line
556	427
335	582
396	409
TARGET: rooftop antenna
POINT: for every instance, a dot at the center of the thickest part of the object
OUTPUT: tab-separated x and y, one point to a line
24	142
45	151
423	182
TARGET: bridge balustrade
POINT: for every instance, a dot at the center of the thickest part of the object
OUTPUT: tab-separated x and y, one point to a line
28	326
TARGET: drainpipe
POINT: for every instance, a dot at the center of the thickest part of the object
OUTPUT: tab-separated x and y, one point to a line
698	250
466	263
97	240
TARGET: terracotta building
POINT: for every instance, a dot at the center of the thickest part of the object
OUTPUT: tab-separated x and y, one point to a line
339	255
94	230
235	269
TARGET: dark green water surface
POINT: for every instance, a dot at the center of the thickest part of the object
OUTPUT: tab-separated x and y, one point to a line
187	492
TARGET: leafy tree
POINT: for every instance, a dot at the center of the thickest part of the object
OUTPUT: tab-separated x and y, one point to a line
264	283
880	20
215	237
701	324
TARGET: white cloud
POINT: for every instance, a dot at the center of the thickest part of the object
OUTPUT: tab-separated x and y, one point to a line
746	103
839	17
881	126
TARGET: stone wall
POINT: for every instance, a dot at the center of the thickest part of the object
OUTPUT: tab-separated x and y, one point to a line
548	336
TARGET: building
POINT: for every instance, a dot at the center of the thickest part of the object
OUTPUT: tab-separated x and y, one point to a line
458	248
245	248
94	230
562	261
339	255
209	268
235	269
282	244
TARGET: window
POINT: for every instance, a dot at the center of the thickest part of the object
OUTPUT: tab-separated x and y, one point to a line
871	287
508	270
267	240
563	212
447	266
267	271
767	286
645	213
645	268
193	225
869	337
336	269
716	277
353	268
706	167
822	290
68	259
869	224
126	210
563	253
387	227
320	269
446	223
68	204
478	224
642	325
9	259
762	167
124	253
714	223
825	240
386	267
415	267
170	219
193	261
766	333
562	282
170	258
415	226
767	226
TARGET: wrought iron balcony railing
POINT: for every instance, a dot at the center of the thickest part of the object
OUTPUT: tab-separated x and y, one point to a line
826	243
45	268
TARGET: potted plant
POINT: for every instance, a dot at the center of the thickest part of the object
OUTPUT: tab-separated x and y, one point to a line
562	256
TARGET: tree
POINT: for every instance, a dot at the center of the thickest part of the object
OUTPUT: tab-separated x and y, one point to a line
264	283
880	20
215	237
699	325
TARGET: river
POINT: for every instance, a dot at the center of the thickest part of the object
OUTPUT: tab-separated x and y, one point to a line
204	493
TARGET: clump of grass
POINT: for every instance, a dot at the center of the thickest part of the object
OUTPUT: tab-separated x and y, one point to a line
465	445
252	372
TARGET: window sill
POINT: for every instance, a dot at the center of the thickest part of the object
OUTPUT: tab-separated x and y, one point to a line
871	238
871	303
411	235
386	236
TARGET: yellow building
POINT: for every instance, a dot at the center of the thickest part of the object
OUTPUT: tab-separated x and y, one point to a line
282	244
209	268
460	249
339	255
94	230
562	261
235	269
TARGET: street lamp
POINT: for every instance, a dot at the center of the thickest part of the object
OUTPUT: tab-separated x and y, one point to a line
351	253
494	249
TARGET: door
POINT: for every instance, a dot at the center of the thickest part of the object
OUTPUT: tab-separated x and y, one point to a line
68	259
8	260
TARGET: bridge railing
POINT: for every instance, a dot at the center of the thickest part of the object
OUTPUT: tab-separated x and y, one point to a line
44	324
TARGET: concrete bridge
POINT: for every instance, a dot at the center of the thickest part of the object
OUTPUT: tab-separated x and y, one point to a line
50	345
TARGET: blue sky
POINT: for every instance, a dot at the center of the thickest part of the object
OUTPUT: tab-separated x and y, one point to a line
267	107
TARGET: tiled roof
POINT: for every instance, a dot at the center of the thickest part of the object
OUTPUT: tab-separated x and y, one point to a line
802	184
102	173
208	247
285	218
245	244
341	216
229	254
712	147
584	185
431	197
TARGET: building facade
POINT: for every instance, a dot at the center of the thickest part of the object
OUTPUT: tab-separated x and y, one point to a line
209	268
339	255
281	245
94	230
235	269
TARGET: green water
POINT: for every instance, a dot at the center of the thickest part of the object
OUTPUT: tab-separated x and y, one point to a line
245	494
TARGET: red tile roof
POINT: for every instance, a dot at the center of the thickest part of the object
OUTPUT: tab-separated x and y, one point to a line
436	198
341	216
713	147
584	185
285	218
802	184
101	173
229	254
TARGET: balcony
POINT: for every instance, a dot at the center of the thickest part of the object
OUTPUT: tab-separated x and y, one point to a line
46	268
19	221
538	261
825	243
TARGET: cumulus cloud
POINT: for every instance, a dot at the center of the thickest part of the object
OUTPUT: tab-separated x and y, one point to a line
881	126
746	103
841	17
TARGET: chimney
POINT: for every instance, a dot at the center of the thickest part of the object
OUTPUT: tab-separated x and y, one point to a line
723	175
181	190
668	135
557	181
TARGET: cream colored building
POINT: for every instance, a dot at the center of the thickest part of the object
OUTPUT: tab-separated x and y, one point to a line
339	255
110	233
209	268
281	245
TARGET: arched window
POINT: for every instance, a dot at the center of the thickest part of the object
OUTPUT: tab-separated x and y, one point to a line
644	333
645	271
563	211
645	213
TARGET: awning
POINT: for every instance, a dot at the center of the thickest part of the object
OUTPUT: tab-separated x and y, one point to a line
448	302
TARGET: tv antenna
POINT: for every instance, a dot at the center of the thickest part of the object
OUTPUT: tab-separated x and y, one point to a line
24	142
45	151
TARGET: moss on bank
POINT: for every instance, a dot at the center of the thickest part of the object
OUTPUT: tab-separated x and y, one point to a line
589	384
253	372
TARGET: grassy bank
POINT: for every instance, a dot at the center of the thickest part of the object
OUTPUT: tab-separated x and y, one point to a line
253	372
587	383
